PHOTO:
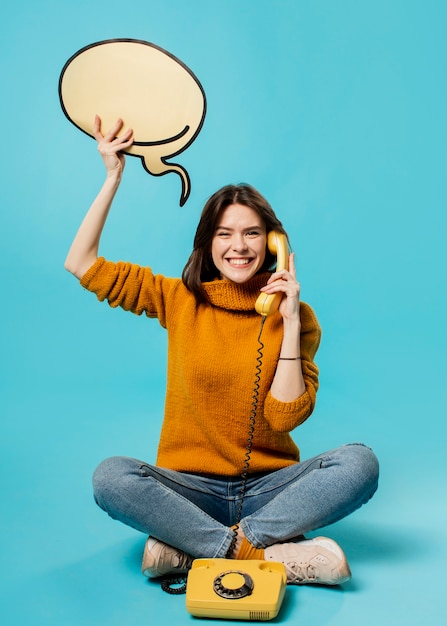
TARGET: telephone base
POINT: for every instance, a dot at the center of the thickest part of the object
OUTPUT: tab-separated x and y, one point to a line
230	589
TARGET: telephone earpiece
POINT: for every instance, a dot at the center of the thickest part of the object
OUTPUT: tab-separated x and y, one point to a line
267	304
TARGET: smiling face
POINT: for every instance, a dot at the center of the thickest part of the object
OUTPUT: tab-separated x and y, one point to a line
239	242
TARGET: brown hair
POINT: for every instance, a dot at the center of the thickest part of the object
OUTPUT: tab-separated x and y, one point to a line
200	267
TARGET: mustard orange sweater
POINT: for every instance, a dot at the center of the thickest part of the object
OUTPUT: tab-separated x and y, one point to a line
212	352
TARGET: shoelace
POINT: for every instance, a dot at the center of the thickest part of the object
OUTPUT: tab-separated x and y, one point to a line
297	574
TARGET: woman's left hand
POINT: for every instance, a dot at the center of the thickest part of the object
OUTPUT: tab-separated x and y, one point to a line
285	281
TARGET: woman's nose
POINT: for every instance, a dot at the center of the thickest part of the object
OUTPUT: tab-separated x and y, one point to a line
239	243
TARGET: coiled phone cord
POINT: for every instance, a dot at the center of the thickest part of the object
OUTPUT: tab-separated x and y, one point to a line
177	585
249	446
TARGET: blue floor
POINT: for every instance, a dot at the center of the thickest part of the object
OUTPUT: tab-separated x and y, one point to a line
64	562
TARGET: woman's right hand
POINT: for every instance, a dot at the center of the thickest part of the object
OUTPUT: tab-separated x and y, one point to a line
110	146
84	249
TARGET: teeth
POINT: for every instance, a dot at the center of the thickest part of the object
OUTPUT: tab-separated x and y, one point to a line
239	261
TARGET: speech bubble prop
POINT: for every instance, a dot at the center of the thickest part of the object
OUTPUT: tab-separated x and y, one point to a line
152	91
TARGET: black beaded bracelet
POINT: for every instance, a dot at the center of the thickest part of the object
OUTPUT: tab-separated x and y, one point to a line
285	358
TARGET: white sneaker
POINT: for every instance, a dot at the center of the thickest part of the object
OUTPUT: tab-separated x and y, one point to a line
160	559
319	560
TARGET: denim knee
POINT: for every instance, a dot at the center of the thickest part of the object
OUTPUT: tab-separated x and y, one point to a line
366	464
106	477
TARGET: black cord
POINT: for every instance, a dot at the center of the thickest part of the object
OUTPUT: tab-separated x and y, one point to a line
174	586
249	447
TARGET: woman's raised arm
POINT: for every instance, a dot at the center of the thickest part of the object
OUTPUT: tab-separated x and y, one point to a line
84	249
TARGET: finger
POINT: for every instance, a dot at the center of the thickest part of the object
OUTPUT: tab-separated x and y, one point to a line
112	132
292	268
125	138
97	128
119	144
281	275
122	142
290	287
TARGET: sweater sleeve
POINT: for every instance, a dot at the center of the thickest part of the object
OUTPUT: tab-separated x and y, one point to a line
129	286
285	416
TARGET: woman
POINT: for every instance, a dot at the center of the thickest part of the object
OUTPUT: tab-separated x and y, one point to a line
231	402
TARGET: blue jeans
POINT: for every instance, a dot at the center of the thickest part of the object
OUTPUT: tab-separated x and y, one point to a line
195	512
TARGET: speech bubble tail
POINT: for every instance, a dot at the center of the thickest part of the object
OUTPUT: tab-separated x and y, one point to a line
186	183
166	169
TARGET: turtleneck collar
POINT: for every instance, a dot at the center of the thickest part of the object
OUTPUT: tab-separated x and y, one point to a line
226	294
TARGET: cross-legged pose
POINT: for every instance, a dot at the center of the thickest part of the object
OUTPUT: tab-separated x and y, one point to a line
238	383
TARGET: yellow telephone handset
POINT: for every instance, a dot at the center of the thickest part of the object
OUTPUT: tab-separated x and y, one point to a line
267	304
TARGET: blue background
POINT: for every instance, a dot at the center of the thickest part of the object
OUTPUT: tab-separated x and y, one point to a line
336	112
